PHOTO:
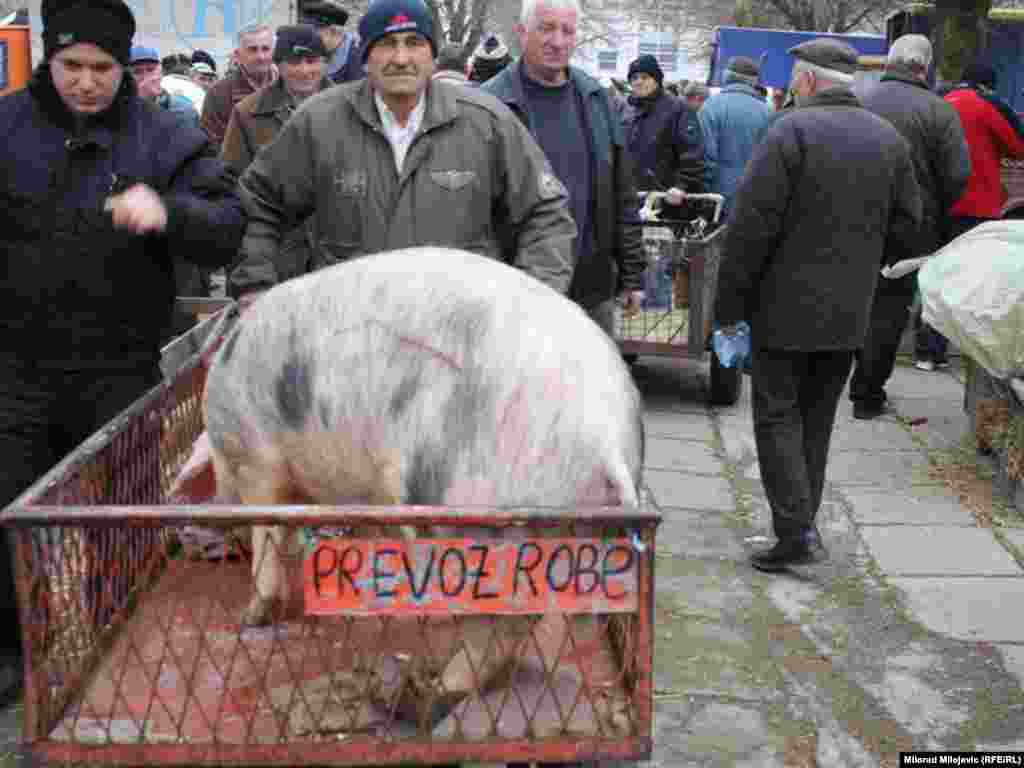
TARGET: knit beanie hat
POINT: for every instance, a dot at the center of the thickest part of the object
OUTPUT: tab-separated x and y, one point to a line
647	64
107	24
298	40
385	17
742	69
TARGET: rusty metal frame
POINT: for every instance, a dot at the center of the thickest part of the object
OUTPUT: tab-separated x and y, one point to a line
50	505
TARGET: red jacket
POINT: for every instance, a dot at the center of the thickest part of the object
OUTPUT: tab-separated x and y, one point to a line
990	137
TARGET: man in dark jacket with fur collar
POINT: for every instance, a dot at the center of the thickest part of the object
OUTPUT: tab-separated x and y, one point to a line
942	165
829	190
100	190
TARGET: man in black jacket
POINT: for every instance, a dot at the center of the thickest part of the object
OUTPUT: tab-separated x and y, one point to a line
663	135
942	165
100	191
828	191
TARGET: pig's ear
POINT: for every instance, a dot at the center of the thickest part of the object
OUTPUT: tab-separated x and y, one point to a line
198	486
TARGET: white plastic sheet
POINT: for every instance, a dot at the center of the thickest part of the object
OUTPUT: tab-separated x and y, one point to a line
972	291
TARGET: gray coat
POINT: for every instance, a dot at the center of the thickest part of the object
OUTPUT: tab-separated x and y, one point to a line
829	189
937	147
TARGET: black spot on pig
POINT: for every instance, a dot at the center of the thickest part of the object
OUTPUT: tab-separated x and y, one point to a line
430	475
404	393
294	391
229	345
471	409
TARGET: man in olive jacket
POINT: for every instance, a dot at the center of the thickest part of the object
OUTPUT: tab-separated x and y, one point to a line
828	191
301	60
401	161
942	164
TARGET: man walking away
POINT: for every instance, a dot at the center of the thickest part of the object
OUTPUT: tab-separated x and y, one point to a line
942	167
733	122
828	188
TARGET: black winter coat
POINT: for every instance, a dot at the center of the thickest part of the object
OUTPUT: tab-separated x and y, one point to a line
665	142
75	293
828	191
938	148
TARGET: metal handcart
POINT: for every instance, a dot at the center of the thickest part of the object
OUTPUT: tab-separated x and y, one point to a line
135	655
680	324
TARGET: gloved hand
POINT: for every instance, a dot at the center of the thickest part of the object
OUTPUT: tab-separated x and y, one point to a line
731	344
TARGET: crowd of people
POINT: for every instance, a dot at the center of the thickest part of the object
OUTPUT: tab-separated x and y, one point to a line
130	177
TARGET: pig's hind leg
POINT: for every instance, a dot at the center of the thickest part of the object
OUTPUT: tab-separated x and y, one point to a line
257	482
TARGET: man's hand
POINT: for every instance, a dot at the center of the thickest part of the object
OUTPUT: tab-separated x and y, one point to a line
632	302
675	196
139	209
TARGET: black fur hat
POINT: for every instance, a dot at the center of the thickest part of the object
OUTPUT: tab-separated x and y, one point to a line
108	24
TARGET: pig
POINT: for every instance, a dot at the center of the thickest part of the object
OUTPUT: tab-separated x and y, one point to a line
426	376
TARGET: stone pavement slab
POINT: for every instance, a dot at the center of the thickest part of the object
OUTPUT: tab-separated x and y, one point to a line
738	441
678	425
858	435
908	382
932	551
1013	660
680	489
878	468
968	608
691	533
1015	536
681	456
947	422
923	505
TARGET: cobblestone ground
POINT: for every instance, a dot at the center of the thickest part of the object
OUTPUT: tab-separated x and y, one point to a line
909	637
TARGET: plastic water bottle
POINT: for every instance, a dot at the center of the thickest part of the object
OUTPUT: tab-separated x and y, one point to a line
732	350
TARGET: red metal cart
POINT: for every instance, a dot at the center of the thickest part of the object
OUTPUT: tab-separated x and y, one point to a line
683	328
135	655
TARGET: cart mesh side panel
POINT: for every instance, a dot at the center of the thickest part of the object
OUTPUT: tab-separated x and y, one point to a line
136	652
677	328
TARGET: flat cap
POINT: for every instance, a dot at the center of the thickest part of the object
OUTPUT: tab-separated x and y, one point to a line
743	65
828	53
322	13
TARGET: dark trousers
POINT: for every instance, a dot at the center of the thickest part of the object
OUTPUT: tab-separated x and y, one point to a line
929	344
43	417
889	316
795	395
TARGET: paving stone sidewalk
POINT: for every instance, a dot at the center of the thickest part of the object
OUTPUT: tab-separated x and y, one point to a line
909	637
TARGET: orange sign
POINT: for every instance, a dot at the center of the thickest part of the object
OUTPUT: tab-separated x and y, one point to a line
463	576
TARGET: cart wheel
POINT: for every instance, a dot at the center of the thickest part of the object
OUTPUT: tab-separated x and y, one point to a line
726	383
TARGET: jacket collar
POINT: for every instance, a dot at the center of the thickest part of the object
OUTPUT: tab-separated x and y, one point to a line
441	107
98	129
833	97
738	87
901	74
509	87
275	98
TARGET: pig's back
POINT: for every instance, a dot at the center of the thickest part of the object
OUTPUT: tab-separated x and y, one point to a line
489	386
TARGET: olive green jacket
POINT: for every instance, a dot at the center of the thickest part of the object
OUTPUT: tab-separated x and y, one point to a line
473	178
255	122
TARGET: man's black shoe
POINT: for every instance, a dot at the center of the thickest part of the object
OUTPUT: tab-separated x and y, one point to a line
803	549
866	411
